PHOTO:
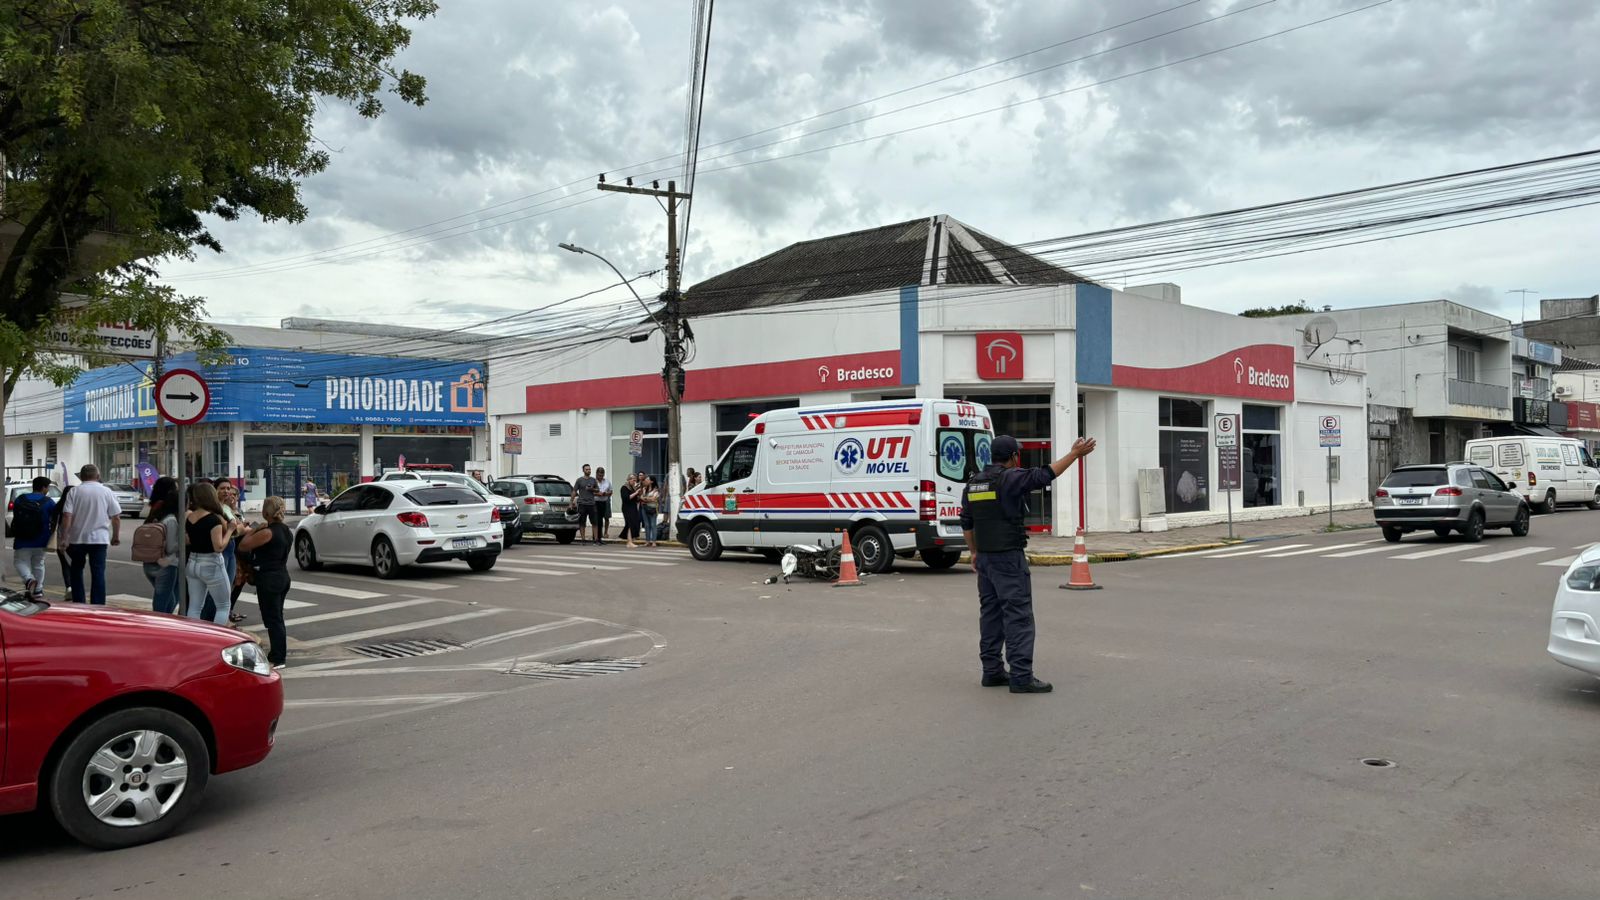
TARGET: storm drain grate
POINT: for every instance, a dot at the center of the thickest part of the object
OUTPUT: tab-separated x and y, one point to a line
404	649
582	668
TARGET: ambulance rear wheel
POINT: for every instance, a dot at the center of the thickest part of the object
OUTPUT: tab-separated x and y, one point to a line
704	544
874	554
941	559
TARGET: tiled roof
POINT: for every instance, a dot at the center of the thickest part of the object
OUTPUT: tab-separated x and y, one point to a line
1574	364
882	258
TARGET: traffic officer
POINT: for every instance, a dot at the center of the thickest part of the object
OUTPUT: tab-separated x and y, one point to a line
993	508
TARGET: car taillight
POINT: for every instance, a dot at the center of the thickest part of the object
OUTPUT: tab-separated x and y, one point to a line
414	519
535	501
494	514
927	502
1382	492
1447	492
1532	478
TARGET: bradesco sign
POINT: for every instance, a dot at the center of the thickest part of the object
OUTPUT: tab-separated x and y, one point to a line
269	385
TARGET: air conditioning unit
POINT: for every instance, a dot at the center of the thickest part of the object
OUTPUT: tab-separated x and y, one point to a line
1563	391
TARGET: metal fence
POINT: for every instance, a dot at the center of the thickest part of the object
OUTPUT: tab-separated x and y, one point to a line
1473	393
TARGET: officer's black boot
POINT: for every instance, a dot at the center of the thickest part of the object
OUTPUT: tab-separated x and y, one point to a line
1032	686
997	679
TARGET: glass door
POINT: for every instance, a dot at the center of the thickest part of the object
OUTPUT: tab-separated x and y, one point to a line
1037	453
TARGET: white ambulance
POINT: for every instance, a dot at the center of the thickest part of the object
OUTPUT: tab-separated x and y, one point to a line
890	473
1545	470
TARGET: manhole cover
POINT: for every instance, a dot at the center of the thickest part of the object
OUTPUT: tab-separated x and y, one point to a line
402	649
582	668
1378	762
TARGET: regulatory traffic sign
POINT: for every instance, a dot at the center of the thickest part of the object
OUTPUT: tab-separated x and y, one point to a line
1329	434
513	432
1227	430
183	396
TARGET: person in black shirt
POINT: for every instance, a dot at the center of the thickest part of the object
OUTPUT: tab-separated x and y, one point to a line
993	509
269	549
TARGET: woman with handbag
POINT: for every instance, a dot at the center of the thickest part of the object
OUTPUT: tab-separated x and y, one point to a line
630	509
268	549
650	506
228	496
208	533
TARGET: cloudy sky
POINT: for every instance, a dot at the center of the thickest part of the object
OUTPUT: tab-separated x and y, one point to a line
450	214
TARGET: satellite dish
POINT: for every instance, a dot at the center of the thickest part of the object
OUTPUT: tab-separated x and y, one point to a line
1319	331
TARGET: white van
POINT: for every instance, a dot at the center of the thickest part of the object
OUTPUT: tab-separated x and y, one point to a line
1545	470
889	472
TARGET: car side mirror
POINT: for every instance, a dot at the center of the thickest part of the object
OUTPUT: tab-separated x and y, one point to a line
320	509
1511	485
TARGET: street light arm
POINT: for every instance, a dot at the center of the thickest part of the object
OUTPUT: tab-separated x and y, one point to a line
574	248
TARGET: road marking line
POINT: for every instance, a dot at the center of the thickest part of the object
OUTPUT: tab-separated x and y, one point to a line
1509	554
347	613
346	593
1438	551
623	561
474	576
397	700
1359	552
523	570
581	645
524	632
393	629
129	598
567	565
1319	549
410	583
1584	546
1227	549
1262	550
1563	562
287	603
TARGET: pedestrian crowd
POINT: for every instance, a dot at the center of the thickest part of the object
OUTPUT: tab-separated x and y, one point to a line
643	504
202	539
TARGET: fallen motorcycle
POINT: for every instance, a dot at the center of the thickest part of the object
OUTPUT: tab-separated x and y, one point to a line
808	561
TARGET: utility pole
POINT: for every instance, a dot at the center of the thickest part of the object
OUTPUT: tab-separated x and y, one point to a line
1524	292
672	329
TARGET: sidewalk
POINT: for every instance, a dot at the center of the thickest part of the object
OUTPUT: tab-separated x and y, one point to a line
1112	546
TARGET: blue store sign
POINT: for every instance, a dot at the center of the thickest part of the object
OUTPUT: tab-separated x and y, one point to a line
267	385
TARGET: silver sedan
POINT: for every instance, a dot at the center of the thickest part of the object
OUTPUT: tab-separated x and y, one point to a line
129	498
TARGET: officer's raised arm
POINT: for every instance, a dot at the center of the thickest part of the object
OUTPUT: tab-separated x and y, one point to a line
1080	448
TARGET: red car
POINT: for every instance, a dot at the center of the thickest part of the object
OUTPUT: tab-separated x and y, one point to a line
114	720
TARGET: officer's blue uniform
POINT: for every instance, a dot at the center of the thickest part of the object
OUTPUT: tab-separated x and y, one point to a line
1005	588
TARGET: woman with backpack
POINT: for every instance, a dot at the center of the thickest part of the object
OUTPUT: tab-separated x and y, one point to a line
208	533
158	543
269	549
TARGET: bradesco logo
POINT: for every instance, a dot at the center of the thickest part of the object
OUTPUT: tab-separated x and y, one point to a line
859	373
1258	377
880	456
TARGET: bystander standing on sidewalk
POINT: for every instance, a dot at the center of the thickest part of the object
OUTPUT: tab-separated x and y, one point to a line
602	504
91	523
649	506
32	523
583	491
268	549
162	573
630	509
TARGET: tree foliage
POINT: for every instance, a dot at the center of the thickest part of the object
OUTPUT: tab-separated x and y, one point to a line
1288	309
124	124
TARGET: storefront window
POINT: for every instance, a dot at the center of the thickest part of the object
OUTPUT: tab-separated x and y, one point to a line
1185	454
732	417
1263	443
421	448
113	455
652	458
281	464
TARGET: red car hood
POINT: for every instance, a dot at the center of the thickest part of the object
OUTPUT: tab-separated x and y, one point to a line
106	621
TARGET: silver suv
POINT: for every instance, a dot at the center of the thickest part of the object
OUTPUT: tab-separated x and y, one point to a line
1450	497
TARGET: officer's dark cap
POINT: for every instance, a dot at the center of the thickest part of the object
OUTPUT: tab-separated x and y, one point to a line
1004	447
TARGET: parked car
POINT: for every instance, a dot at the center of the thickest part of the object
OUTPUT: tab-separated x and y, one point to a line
1446	498
510	515
114	720
545	504
1544	470
17	489
1575	620
392	524
129	498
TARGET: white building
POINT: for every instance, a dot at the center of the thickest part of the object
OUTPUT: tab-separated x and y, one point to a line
934	308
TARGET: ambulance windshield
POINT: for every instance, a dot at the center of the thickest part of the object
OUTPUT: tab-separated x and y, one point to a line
962	452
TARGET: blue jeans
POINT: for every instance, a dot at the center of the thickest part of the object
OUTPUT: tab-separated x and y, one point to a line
95	556
649	523
164	586
230	557
30	566
208	574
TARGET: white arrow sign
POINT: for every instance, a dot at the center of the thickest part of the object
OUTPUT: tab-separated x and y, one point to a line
183	396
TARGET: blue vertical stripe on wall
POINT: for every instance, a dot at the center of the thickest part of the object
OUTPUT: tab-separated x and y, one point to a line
910	337
1094	334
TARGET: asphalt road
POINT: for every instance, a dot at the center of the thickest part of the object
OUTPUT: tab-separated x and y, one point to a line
1205	739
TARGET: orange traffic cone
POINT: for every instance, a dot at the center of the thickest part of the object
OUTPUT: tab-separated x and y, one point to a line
847	566
1081	580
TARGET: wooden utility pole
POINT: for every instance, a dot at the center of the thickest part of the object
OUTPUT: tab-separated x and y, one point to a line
672	329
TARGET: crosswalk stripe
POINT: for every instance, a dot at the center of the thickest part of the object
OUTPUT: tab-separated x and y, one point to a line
1262	550
288	602
622	560
1318	549
394	629
525	570
1563	562
1437	551
411	583
1226	549
347	613
1509	554
1358	552
567	565
477	577
331	591
1584	546
397	700
524	632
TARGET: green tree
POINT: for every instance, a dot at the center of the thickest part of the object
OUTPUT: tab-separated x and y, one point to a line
1288	309
125	123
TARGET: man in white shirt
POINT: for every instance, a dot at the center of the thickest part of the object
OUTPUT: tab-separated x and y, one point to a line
91	518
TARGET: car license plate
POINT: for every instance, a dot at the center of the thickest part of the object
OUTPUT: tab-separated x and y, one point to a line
1409	501
464	543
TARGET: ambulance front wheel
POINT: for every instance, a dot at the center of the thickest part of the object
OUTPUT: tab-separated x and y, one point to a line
872	549
704	544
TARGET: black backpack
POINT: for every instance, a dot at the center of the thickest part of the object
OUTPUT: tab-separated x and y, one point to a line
27	517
